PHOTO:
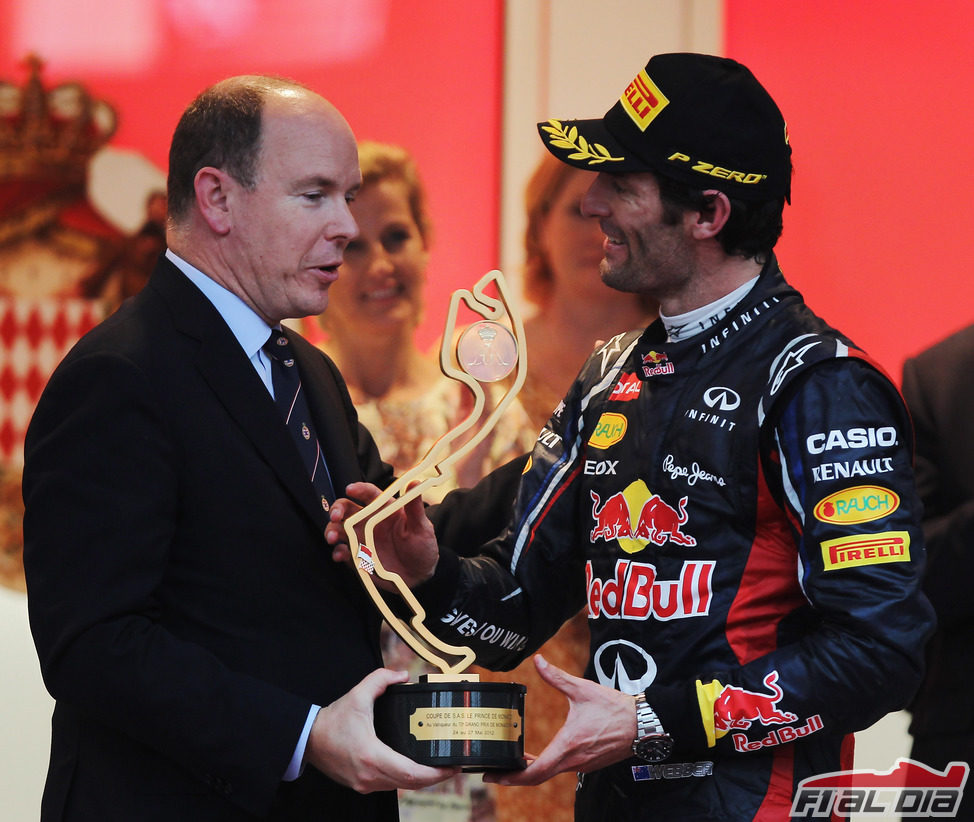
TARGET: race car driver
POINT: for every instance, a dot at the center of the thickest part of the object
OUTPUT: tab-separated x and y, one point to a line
729	492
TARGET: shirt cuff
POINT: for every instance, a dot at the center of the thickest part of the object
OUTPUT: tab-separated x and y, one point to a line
296	766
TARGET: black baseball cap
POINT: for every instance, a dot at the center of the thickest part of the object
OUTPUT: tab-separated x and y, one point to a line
696	118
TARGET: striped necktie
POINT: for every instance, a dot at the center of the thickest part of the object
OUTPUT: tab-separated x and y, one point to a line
293	405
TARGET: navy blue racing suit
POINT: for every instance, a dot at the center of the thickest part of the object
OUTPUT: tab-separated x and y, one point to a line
737	513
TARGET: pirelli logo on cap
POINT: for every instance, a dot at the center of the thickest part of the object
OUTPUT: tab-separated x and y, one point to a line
643	100
866	549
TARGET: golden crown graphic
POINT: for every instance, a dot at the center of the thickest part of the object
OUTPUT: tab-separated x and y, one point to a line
50	134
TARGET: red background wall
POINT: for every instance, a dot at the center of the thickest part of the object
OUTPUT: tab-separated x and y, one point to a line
876	96
425	74
877	99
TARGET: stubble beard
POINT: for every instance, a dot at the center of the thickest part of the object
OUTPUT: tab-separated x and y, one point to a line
620	277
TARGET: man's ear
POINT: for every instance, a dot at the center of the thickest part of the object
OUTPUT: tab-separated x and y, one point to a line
712	217
212	187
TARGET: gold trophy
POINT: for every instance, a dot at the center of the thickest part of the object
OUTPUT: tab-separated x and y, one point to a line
450	718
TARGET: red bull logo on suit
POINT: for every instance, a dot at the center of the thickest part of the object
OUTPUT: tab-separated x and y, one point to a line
739	708
726	708
636	592
635	517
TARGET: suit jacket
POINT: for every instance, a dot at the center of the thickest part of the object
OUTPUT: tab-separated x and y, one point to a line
184	604
938	388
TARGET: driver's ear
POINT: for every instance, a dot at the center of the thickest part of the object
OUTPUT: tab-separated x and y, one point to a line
712	217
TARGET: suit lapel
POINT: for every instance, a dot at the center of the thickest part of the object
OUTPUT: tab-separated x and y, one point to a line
232	378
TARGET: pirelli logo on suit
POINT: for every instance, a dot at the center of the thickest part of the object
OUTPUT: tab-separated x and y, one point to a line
866	549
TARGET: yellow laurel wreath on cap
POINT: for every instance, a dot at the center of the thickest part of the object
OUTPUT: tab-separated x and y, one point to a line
583	149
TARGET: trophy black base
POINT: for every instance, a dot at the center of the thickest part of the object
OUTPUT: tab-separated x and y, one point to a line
476	726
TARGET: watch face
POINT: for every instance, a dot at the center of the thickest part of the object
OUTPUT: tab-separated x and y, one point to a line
654	748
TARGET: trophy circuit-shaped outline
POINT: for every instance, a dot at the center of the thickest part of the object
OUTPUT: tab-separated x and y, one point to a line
428	473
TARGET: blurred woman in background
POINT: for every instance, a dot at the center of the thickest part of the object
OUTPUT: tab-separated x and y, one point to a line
373	312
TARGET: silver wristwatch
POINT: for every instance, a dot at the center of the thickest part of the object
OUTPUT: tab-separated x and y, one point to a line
652	743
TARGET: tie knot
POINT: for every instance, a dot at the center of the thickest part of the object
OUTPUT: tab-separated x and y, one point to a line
278	348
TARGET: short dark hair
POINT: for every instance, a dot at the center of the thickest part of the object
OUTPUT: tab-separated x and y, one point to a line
751	231
220	128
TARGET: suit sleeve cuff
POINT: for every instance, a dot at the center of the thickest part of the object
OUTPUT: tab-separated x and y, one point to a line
296	766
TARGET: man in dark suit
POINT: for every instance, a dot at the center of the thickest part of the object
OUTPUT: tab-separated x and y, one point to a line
938	390
186	612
